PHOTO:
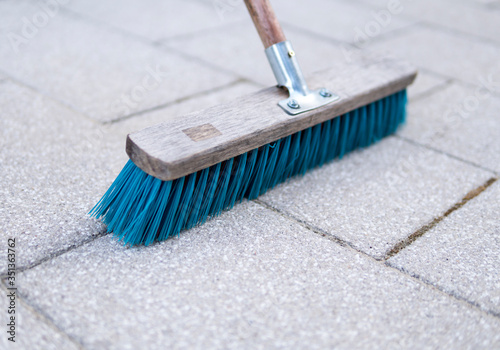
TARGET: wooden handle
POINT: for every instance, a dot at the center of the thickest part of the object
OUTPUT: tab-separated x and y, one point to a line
265	21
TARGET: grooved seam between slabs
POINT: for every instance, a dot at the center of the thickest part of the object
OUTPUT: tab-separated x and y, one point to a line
424	229
472	194
58	253
44	319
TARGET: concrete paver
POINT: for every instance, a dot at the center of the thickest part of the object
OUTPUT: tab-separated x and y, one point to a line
462	16
243	53
31	330
448	54
424	84
156	20
458	120
97	71
55	165
249	279
344	21
461	255
376	197
179	109
254	277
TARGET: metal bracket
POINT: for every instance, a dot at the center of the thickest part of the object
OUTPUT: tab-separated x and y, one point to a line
288	74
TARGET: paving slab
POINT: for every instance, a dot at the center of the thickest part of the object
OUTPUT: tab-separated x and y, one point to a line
179	109
55	165
346	21
468	17
227	10
248	279
461	255
243	54
445	53
157	20
459	120
100	72
378	196
32	330
424	84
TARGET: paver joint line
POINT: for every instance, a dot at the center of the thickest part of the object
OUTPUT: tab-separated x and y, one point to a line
179	100
459	33
401	226
416	143
421	231
59	253
45	319
444	291
472	194
304	224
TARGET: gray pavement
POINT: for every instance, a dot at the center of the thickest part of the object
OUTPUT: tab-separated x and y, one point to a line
461	254
394	246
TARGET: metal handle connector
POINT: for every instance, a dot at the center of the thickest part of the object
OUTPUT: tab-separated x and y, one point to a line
288	74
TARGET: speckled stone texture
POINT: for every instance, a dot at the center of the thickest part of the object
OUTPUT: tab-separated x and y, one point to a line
163	19
468	17
115	76
462	254
445	52
242	52
32	330
376	197
303	266
249	279
458	120
55	165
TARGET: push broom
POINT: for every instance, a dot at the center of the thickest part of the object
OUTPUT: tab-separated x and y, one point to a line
185	171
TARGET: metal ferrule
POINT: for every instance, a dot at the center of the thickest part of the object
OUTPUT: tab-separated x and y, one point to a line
288	74
285	67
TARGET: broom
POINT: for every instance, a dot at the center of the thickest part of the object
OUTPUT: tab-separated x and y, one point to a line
185	171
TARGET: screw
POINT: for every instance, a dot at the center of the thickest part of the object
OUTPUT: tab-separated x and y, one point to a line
291	53
325	93
293	104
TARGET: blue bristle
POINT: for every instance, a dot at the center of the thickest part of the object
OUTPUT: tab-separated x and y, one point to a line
222	187
213	178
258	174
141	209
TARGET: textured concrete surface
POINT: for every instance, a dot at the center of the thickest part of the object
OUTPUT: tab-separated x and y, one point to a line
424	84
76	78
458	120
464	17
181	108
33	331
105	79
152	20
346	21
446	53
249	279
55	165
243	54
462	254
376	197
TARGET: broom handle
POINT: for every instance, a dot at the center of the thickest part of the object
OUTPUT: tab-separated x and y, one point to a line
265	21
